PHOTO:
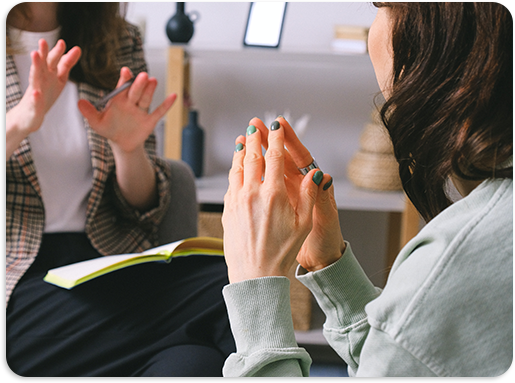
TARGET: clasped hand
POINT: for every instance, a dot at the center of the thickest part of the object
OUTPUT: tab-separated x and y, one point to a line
272	213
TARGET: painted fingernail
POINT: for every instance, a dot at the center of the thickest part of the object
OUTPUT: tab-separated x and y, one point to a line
251	130
239	147
328	184
275	125
317	177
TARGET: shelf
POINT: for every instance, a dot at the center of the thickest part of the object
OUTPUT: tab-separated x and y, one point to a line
211	190
319	56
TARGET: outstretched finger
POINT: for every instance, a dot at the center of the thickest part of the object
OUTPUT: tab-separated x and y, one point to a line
161	110
300	155
274	157
43	49
55	54
253	161
236	172
260	125
67	62
148	93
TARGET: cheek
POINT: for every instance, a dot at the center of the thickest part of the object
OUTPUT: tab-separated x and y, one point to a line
381	60
378	47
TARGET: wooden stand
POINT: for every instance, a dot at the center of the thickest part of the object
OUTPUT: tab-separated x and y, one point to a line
177	82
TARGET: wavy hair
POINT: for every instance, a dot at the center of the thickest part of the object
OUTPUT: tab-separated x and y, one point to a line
96	28
450	110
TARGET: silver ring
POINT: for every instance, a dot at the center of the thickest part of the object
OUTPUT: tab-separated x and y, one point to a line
306	170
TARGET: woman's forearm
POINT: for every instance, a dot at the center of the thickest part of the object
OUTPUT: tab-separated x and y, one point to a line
136	177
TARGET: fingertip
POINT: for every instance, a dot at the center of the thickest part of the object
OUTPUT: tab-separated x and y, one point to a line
172	97
240	139
276	125
34	55
310	190
327	182
317	177
86	108
76	50
62	43
126	72
254	121
239	147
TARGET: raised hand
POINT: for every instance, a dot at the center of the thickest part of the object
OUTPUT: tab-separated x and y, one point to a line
126	121
266	216
324	244
48	75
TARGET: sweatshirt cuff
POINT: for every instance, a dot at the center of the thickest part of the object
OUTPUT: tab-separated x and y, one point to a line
342	290
260	314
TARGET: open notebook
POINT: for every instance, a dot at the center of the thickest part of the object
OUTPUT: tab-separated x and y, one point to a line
72	275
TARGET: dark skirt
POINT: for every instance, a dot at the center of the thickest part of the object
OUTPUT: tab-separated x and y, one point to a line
153	319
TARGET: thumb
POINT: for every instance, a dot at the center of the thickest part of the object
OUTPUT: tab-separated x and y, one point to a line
89	112
308	193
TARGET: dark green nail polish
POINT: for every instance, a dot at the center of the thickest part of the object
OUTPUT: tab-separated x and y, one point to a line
251	130
238	147
275	125
328	184
317	177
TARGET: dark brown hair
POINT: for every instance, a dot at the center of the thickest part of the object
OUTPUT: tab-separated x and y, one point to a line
451	102
96	28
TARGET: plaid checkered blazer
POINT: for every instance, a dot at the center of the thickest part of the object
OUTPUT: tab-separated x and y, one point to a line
112	226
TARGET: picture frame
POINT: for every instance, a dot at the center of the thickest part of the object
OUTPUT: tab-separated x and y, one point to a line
265	24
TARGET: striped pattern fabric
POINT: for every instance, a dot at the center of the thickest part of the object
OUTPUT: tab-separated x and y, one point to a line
112	226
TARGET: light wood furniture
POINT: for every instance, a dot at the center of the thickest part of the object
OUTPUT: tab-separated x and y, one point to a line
178	82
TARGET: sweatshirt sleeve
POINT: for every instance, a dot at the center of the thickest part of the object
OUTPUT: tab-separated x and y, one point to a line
342	291
261	322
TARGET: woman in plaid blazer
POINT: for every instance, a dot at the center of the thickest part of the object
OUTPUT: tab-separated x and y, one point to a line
123	208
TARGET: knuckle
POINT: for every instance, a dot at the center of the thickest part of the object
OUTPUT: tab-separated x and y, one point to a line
274	154
253	158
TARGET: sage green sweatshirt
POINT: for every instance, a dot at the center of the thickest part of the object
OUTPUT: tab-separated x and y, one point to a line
446	310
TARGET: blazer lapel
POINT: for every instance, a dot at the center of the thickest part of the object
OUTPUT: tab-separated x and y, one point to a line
23	154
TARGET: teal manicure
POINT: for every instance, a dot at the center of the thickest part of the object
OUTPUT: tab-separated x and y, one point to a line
328	184
275	125
238	147
251	130
317	177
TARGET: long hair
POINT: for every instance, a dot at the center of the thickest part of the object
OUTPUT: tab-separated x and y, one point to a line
96	28
450	110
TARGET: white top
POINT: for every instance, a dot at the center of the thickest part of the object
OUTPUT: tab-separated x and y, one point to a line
59	148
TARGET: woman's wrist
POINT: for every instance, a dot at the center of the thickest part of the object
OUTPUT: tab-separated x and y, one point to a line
327	261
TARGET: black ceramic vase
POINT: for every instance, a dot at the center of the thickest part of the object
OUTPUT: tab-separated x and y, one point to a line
179	28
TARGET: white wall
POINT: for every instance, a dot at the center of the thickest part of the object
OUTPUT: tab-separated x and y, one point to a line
307	24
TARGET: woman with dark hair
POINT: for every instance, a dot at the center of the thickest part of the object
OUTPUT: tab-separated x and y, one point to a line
82	183
445	70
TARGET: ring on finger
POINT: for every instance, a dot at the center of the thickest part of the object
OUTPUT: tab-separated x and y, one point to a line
312	165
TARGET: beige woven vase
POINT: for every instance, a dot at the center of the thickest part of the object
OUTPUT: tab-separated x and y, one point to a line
374	166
